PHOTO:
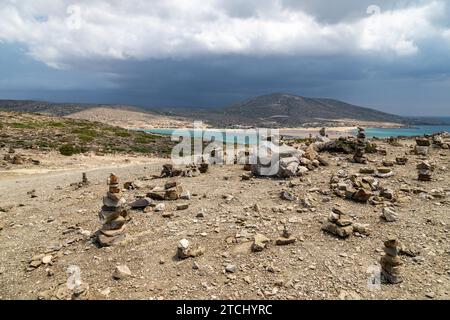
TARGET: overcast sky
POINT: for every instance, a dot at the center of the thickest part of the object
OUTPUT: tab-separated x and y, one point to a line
390	55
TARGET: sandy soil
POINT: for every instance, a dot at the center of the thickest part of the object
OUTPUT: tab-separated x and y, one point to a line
318	266
130	119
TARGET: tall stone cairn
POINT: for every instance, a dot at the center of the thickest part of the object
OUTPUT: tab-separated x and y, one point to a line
323	132
390	262
422	146
360	146
424	171
113	214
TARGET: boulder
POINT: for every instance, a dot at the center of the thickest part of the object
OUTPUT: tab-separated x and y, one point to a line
121	272
260	242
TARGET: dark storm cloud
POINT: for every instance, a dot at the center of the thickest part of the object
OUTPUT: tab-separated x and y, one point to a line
219	52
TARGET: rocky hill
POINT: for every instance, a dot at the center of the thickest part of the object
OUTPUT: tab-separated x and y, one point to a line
289	110
274	110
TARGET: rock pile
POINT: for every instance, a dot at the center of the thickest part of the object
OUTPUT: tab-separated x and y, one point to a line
192	170
169	171
390	262
113	214
401	161
425	170
359	189
286	238
442	140
287	162
83	183
338	223
422	146
171	191
322	132
359	157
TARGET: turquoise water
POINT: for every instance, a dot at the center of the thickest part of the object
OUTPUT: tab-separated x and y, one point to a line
406	132
239	136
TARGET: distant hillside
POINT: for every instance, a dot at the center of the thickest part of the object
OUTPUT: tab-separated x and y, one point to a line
119	115
289	110
56	109
274	110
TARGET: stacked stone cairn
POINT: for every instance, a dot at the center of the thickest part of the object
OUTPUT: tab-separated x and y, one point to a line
425	170
113	214
360	146
322	132
338	223
422	146
171	191
401	161
390	262
286	238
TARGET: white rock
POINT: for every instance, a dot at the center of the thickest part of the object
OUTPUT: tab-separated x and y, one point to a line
121	272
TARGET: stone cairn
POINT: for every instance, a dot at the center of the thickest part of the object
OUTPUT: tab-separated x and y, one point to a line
322	132
425	169
338	223
422	146
390	262
286	238
113	214
360	146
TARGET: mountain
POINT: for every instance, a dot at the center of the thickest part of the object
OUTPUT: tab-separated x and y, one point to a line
287	110
273	110
281	109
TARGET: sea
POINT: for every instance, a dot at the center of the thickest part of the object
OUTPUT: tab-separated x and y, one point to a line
239	136
405	132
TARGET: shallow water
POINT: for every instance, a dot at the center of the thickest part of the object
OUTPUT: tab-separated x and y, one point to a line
406	132
239	135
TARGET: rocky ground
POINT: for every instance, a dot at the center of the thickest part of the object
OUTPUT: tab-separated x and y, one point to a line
45	232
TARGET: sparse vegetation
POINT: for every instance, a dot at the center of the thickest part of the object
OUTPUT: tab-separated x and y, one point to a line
71	136
67	150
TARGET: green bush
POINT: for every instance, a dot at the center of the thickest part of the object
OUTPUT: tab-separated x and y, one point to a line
18	125
67	150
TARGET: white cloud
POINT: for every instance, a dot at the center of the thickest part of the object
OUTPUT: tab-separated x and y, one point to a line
59	32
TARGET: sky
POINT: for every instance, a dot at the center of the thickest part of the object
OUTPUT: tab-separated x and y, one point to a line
390	55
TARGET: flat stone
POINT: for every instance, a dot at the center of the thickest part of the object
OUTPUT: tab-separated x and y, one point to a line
106	241
366	170
182	206
282	241
113	233
141	203
112	203
121	272
115	224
